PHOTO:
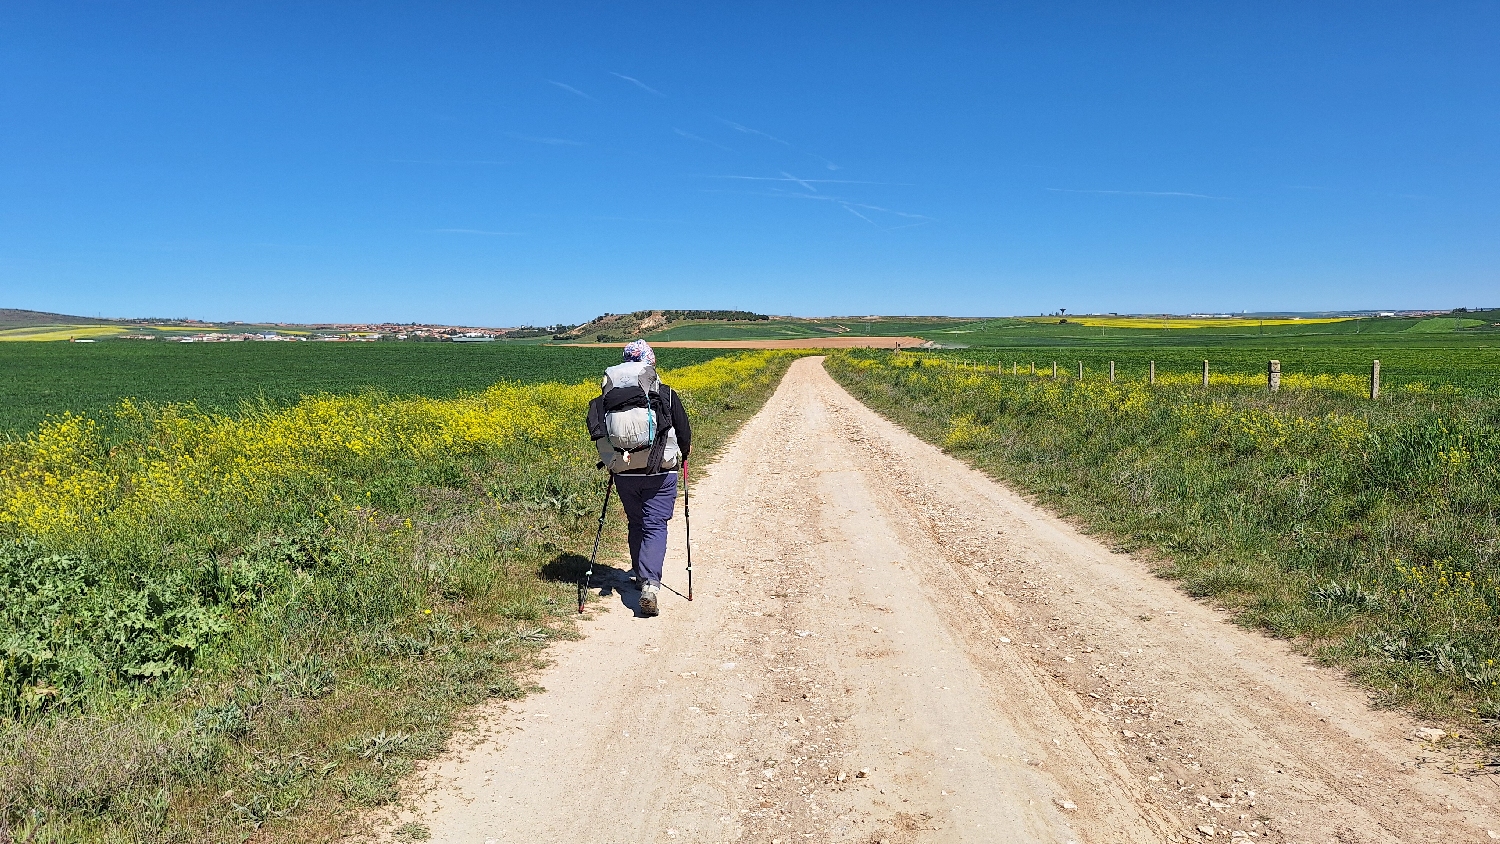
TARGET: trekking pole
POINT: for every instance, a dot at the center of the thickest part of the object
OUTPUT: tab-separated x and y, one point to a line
687	517
583	585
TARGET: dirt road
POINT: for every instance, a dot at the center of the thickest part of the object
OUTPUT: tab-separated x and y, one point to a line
887	646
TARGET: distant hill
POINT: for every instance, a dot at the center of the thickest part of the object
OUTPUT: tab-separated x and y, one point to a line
612	328
18	318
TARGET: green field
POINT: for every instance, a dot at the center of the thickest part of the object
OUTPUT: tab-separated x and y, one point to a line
1466	329
42	379
1479	328
1435	351
1462	350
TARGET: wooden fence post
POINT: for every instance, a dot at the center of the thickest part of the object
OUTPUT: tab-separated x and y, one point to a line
1375	380
1273	375
1054	370
1080	370
1205	374
1033	368
1153	372
1015	368
1111	372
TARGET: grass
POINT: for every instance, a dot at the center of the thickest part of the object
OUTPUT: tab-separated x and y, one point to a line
38	380
249	625
1369	532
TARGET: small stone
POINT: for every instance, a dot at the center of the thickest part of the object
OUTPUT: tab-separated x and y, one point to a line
862	773
1066	805
1430	734
1205	829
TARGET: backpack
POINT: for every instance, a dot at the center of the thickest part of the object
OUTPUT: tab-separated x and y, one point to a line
632	422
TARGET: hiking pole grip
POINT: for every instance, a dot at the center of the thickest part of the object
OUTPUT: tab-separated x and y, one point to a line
687	518
588	575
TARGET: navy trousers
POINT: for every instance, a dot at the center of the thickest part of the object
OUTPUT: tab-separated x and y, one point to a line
649	501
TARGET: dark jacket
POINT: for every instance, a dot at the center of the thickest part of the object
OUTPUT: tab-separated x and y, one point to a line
679	418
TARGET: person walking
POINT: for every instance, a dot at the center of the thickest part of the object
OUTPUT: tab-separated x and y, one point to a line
642	433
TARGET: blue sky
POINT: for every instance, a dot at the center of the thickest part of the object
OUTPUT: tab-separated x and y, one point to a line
502	163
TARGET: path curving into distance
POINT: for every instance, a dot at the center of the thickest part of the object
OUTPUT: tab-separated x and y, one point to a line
888	646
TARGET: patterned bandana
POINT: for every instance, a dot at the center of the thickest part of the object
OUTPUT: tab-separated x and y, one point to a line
637	350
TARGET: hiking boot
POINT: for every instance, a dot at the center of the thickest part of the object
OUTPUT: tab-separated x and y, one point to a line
648	599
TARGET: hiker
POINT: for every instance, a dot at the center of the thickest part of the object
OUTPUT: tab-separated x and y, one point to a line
642	434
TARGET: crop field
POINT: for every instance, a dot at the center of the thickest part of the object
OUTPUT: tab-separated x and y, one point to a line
1177	322
1469	330
38	380
1367	531
60	332
1461	330
218	625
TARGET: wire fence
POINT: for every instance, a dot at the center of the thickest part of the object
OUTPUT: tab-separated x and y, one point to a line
1469	370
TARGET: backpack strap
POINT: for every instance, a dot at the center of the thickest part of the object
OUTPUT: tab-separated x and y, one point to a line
659	446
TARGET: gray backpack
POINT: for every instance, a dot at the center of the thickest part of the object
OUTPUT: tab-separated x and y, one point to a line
637	430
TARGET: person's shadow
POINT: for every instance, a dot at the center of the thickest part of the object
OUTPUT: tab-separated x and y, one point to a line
568	567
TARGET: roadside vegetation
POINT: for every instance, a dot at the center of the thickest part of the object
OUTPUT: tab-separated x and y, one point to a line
1368	531
239	626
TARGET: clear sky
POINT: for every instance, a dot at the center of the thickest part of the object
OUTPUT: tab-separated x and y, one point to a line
500	163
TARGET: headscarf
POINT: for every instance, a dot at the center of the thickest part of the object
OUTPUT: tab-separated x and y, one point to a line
638	350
